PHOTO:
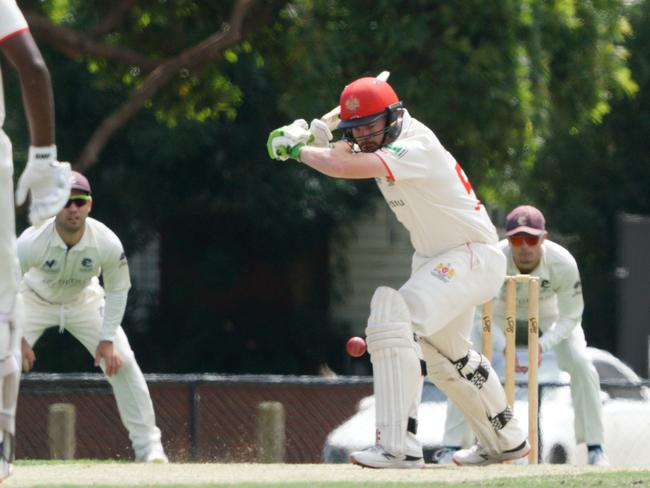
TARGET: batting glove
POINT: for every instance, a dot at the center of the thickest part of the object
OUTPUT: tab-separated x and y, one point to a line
286	142
322	134
49	182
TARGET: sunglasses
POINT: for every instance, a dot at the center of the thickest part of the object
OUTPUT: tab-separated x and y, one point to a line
520	239
78	200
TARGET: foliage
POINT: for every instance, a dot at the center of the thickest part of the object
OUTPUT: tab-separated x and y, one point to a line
500	83
585	179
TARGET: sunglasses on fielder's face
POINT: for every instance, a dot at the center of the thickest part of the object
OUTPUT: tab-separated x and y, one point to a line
78	201
518	240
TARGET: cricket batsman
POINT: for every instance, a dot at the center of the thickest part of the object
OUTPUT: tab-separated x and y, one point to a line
424	327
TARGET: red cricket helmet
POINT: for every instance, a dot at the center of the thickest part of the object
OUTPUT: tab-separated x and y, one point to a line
365	100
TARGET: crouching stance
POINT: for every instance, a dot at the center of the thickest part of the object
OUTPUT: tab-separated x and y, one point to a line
62	260
456	266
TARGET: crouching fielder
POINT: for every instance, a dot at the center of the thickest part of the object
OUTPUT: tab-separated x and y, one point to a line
62	260
424	327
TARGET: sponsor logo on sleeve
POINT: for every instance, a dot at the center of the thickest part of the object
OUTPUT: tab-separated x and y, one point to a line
397	151
123	261
577	288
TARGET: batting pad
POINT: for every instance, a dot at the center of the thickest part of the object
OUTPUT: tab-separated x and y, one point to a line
397	372
481	399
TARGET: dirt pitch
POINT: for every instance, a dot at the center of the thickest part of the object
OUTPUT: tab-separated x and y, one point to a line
81	474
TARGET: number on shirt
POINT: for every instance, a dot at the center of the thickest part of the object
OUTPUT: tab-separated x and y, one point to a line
466	184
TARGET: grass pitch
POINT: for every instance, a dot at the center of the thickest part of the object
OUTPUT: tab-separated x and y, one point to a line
123	474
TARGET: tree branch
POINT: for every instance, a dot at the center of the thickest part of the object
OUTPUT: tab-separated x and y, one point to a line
74	44
190	59
113	18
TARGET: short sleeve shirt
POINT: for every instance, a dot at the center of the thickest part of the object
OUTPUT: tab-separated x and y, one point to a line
430	193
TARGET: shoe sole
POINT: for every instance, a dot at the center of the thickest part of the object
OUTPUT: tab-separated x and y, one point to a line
356	462
487	462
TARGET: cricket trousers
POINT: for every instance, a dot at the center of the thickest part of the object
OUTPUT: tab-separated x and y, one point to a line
571	355
83	320
9	276
9	268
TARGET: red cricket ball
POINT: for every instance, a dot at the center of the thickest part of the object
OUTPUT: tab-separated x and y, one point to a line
356	347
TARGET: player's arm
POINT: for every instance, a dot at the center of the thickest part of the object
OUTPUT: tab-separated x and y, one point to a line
115	273
340	162
299	142
570	306
38	100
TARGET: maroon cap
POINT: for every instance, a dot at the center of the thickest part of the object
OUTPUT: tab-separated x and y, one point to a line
80	182
525	219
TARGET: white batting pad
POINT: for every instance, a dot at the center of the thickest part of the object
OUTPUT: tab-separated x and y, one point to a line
479	405
397	373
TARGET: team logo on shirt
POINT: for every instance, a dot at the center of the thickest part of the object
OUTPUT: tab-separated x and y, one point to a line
444	272
545	284
50	266
86	263
396	150
123	261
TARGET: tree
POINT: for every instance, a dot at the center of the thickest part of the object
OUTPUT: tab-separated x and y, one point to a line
585	177
120	26
169	116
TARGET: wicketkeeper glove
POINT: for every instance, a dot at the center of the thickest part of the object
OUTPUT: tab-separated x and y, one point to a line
286	142
49	182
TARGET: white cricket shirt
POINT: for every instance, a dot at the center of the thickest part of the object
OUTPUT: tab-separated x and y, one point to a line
59	274
560	294
430	194
12	21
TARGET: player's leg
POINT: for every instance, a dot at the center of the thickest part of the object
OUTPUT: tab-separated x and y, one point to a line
457	433
471	384
9	275
9	383
129	386
442	295
572	357
397	377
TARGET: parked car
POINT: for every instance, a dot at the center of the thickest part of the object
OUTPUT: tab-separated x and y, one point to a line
626	412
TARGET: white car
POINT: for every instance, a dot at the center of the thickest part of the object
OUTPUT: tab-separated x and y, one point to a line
626	412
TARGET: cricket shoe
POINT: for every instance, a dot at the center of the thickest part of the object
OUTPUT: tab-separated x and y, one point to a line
477	455
155	455
444	455
6	468
597	457
377	457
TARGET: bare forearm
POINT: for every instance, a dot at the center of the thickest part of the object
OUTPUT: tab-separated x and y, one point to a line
340	162
323	160
39	107
36	87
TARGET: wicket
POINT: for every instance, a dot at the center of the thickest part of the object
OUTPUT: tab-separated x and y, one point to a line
510	328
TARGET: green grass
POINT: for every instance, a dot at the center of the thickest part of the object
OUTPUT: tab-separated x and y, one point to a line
577	482
601	479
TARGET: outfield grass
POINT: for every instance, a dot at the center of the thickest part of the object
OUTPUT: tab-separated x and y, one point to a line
102	474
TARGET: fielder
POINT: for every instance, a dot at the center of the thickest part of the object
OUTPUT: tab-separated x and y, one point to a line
62	260
456	266
45	178
528	251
